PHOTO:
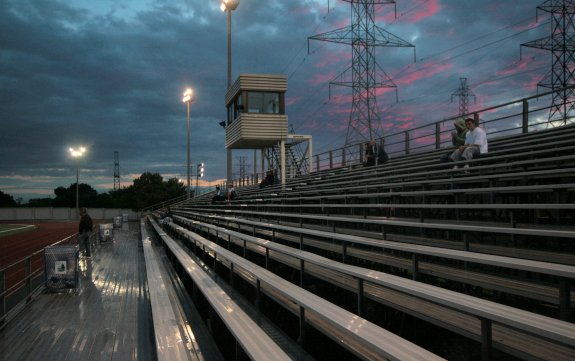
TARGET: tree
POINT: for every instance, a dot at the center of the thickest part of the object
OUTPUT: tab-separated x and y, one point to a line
175	188
7	200
149	190
66	197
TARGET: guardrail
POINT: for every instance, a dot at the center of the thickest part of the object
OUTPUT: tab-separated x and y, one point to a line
514	117
165	203
20	280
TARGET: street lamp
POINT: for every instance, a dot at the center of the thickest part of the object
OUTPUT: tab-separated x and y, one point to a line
229	6
77	153
188	98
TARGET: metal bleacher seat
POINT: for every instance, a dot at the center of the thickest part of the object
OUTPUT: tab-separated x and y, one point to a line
496	319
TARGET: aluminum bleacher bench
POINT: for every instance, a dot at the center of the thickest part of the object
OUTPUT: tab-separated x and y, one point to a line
427	193
496	159
565	273
356	334
170	343
423	175
253	340
532	327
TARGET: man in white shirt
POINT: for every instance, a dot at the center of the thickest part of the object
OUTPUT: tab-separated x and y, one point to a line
475	143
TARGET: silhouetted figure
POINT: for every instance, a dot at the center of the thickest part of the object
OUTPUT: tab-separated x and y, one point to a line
268	180
219	196
374	154
85	232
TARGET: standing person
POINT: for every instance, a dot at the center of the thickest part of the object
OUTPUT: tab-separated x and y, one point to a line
85	231
475	143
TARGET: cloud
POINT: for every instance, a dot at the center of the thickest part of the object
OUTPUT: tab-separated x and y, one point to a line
110	75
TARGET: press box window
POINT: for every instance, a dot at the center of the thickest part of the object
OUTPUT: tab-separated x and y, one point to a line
261	102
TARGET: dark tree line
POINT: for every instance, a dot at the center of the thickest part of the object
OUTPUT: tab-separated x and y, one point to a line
147	190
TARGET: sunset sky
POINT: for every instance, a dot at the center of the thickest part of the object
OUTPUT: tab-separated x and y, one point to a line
109	75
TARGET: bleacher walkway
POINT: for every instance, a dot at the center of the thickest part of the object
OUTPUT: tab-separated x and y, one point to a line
107	318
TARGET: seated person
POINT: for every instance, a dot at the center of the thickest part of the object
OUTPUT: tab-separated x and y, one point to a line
219	196
475	143
269	179
457	138
374	154
167	216
382	155
369	159
231	193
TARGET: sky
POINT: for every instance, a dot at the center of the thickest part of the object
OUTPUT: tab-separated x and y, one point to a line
110	74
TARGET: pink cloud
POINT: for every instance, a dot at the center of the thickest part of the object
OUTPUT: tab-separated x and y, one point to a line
531	24
521	66
426	70
320	79
292	100
420	12
429	9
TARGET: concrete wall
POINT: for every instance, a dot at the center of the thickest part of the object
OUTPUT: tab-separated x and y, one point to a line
48	213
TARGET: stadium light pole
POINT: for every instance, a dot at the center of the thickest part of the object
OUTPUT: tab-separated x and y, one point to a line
77	153
229	6
188	98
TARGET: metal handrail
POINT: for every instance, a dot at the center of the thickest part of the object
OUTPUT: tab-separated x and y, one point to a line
165	203
22	283
435	135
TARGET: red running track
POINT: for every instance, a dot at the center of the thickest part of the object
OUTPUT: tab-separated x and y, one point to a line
16	247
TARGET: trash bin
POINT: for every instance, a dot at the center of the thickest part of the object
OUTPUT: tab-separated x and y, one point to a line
125	217
118	222
105	232
62	269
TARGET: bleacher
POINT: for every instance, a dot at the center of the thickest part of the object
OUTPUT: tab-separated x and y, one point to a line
484	252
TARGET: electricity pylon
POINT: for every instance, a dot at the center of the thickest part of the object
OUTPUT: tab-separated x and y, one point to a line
463	93
366	75
116	170
561	43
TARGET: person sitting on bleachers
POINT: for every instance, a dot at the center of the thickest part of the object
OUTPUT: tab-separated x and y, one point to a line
382	155
231	193
457	138
219	196
167	217
475	143
369	154
374	154
269	179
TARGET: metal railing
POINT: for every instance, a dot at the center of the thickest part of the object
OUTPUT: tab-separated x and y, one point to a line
165	203
20	280
515	117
